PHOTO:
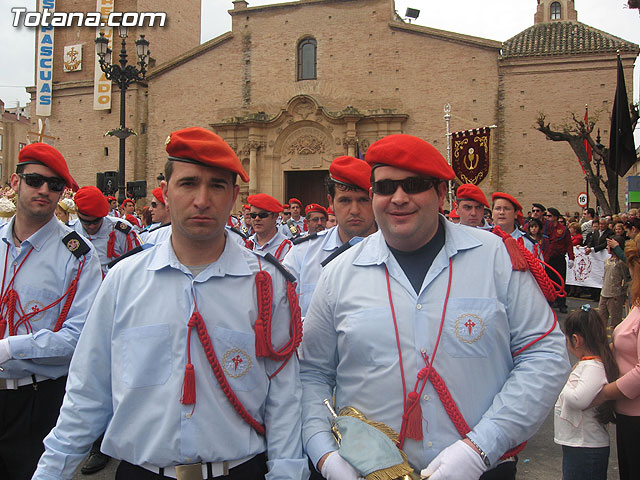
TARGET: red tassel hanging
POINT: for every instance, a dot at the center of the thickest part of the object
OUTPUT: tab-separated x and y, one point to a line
111	253
517	258
414	421
189	386
265	298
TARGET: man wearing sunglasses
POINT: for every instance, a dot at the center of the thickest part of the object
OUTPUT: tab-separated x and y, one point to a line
50	278
267	239
471	205
184	379
111	236
161	218
419	301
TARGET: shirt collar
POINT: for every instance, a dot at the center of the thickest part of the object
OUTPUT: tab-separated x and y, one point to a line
36	240
232	261
457	238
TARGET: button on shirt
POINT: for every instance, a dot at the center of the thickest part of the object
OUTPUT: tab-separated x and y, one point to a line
272	246
128	370
349	343
100	239
43	278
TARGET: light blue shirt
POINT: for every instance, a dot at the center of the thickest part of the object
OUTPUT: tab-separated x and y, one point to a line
43	278
304	262
127	373
273	245
349	343
100	239
156	235
517	233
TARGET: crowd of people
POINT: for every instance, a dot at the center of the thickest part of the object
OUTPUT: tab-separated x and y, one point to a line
188	342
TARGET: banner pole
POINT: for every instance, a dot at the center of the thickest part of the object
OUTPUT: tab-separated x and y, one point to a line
447	120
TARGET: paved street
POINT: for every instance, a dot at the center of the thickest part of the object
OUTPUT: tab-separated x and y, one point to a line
540	460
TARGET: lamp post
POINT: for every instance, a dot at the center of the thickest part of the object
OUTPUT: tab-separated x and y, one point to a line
122	75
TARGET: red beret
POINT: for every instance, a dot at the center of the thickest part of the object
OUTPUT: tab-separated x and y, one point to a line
468	191
43	154
198	145
127	200
90	201
508	197
111	198
351	171
157	192
330	211
132	220
409	153
295	200
286	205
246	207
314	207
454	213
265	202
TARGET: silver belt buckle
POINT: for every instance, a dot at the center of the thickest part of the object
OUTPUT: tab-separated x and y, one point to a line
189	472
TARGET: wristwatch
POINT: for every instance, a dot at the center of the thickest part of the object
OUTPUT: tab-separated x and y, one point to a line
483	455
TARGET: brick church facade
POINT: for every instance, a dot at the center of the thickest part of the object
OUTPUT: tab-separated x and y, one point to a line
294	85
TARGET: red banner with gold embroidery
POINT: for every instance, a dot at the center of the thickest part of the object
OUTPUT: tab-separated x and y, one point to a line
470	159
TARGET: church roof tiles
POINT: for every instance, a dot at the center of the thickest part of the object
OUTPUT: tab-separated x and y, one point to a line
563	38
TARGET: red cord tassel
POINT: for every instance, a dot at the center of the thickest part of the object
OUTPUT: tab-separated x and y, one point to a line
189	386
518	261
414	420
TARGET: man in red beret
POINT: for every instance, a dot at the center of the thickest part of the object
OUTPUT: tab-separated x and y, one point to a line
331	218
315	217
113	206
423	302
471	204
159	230
246	225
286	212
267	238
507	214
50	278
348	194
111	236
170	348
294	226
453	215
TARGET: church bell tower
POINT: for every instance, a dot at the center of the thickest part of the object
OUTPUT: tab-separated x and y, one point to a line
555	10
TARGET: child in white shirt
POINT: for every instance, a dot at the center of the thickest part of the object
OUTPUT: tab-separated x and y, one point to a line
579	429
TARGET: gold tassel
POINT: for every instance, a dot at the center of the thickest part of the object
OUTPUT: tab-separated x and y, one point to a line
391	473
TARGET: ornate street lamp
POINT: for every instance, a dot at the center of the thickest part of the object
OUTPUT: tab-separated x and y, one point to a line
122	75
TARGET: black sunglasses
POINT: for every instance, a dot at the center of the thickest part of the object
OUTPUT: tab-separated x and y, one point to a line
35	180
410	185
90	222
261	214
154	204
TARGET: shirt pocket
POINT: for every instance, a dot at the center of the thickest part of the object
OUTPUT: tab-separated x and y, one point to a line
469	330
369	337
236	354
146	355
33	300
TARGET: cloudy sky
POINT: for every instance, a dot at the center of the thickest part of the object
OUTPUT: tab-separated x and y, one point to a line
494	19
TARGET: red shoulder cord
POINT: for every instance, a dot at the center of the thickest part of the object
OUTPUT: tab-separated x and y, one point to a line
411	426
111	251
10	300
264	347
281	248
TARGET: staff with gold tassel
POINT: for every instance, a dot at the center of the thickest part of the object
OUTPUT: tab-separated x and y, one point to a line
368	446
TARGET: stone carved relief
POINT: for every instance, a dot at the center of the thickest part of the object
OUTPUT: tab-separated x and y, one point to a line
303	109
306	148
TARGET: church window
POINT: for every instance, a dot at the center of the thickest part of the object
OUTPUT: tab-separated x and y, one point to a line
307	49
556	8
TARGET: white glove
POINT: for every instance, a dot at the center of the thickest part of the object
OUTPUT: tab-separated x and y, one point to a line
5	351
456	462
570	264
337	468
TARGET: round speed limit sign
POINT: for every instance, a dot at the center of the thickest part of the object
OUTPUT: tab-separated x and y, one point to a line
582	199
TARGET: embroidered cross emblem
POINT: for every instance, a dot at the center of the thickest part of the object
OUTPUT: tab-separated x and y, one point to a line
470	324
237	360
